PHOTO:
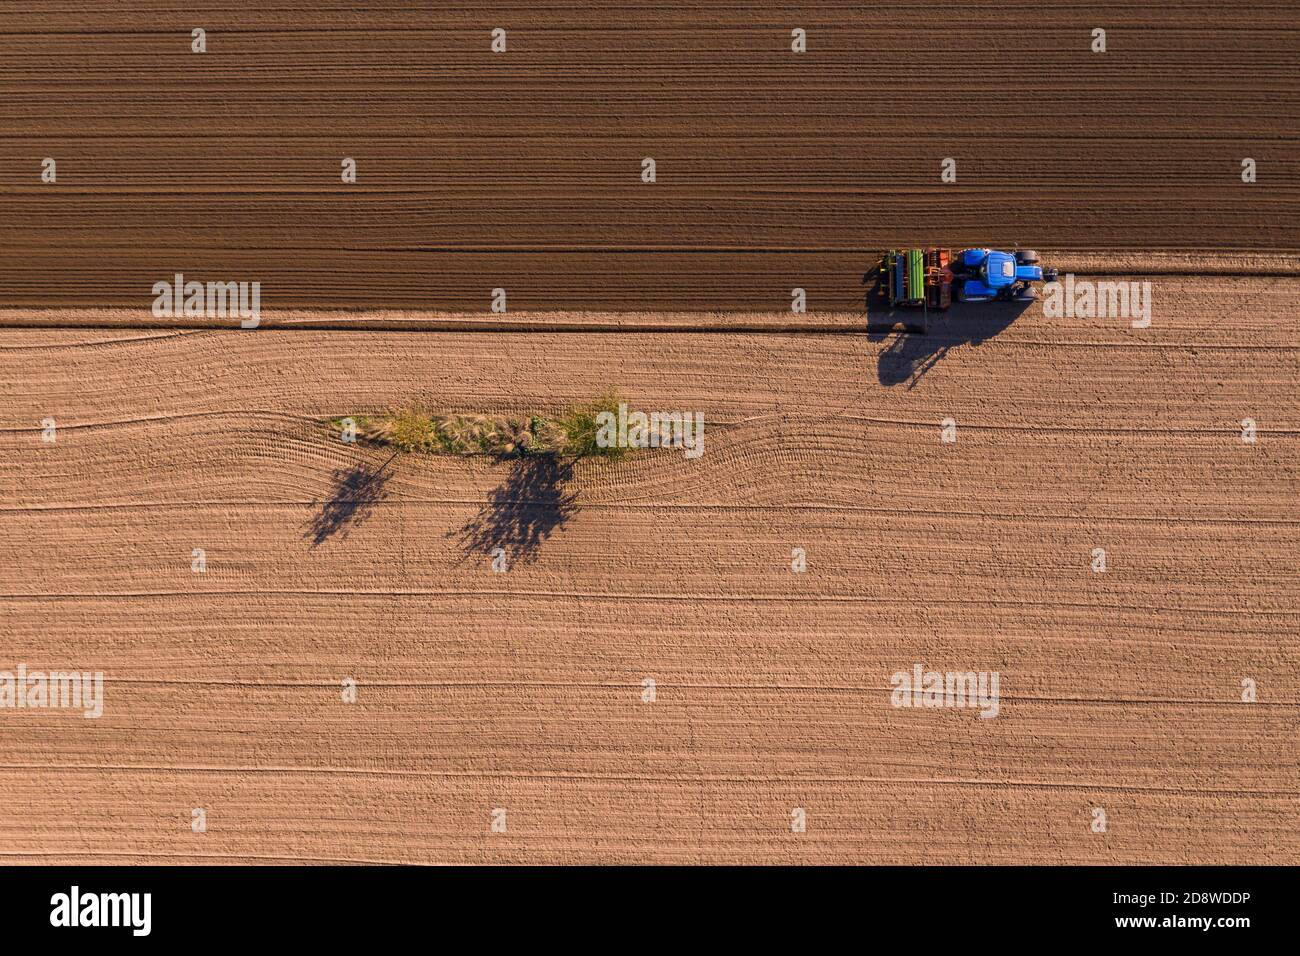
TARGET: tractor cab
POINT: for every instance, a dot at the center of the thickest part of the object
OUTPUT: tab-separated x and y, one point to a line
999	270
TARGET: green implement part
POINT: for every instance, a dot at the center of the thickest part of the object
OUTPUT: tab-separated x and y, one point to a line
916	280
915	274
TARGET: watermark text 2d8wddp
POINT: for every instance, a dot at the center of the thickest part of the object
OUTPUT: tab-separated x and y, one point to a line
636	429
211	300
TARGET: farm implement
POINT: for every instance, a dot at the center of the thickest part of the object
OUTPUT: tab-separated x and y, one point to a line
929	279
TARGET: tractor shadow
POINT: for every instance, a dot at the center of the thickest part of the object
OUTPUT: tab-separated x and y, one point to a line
528	507
357	489
910	354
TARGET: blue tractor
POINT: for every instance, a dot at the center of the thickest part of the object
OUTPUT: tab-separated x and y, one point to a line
983	275
925	280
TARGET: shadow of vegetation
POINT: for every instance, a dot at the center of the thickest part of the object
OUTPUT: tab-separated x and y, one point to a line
912	352
524	511
357	489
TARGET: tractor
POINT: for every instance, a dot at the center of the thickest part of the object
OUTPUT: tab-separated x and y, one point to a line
982	275
928	279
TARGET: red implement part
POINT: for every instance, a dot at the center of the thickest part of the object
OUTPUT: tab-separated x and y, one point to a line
938	278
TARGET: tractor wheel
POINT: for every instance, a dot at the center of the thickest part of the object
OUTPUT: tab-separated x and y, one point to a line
1027	294
1026	257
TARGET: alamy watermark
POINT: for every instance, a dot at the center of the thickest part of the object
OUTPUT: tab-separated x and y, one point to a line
76	908
1070	298
213	300
637	429
923	688
59	690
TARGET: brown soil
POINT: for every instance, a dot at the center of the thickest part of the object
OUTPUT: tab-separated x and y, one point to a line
523	690
522	170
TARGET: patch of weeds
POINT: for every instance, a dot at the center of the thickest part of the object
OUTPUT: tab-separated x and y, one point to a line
572	435
580	427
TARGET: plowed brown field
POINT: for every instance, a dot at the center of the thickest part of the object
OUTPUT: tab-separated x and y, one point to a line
523	690
522	170
1121	692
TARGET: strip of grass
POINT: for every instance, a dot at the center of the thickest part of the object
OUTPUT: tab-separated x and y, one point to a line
413	429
